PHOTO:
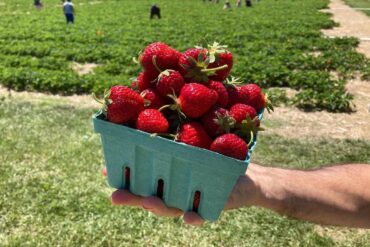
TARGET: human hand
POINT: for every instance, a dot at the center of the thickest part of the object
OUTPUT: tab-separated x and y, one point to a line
243	194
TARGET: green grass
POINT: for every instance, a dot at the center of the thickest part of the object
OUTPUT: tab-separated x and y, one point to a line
360	4
52	192
274	44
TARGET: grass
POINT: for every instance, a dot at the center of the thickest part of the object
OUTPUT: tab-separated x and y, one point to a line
52	192
360	4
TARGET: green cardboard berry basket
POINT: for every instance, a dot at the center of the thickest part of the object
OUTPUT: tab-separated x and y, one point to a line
141	163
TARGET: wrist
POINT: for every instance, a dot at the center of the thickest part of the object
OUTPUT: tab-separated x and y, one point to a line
267	187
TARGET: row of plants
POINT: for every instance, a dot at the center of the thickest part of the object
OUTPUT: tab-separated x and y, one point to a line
275	44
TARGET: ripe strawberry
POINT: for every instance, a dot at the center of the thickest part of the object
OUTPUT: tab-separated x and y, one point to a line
193	65
196	99
217	121
241	111
230	145
152	121
157	57
194	134
220	56
234	92
191	61
144	81
152	99
170	82
223	95
122	104
256	98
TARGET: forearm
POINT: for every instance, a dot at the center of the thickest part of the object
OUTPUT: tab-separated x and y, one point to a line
337	195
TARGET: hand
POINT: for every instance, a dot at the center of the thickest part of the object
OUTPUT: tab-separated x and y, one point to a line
243	194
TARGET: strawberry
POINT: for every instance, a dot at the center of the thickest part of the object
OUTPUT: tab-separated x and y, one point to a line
256	98
169	82
152	121
217	121
152	99
144	81
230	145
194	134
122	104
196	99
241	111
193	65
223	95
234	92
220	56
157	57
191	60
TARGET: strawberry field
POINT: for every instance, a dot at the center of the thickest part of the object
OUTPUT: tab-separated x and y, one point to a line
275	44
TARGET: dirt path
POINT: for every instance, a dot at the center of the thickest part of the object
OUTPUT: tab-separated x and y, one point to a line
352	23
293	123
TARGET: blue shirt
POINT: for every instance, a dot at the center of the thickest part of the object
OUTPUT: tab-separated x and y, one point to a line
68	8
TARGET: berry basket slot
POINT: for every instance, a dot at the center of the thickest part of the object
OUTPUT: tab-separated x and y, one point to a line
183	176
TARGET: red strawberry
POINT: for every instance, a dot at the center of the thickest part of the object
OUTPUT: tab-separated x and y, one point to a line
144	81
220	56
241	111
170	82
223	95
152	99
234	92
194	134
122	104
152	121
230	145
192	61
256	98
196	99
217	121
157	57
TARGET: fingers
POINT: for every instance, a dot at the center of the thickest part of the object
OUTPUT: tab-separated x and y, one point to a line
193	218
124	197
157	206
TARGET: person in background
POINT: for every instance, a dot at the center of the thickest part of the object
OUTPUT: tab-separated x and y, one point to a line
155	11
238	3
69	11
227	5
248	3
38	4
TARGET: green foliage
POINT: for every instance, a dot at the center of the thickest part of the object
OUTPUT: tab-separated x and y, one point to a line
275	43
52	192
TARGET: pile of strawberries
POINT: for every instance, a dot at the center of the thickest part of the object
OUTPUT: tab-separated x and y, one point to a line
187	96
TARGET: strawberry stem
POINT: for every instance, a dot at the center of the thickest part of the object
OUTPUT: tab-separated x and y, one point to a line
215	69
97	99
155	63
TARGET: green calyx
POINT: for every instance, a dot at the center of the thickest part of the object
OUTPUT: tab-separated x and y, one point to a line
198	69
248	128
268	105
232	82
105	102
226	122
214	50
175	106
